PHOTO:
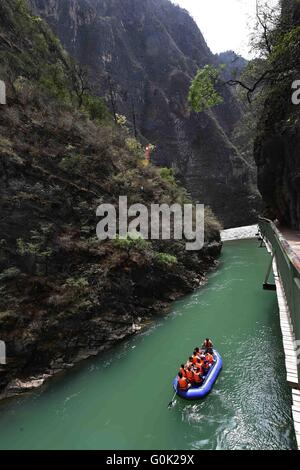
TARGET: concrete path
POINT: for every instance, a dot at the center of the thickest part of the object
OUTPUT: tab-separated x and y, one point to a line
239	233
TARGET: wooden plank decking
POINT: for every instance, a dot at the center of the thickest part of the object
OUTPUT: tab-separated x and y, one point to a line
287	333
288	340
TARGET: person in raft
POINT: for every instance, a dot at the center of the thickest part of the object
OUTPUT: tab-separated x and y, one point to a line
195	356
183	383
199	366
209	358
189	362
208	346
190	375
198	378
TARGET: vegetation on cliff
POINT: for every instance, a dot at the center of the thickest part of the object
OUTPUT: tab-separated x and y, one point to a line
277	142
270	124
119	42
64	294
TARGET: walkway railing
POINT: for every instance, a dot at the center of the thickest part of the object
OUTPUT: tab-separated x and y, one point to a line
288	265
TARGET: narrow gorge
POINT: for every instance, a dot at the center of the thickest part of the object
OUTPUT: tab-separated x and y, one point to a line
150	50
149	225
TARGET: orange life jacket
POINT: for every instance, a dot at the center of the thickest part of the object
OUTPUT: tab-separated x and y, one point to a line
197	378
183	371
183	383
209	358
190	375
199	368
195	359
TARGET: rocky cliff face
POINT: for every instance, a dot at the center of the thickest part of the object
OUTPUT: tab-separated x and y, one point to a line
151	49
277	144
64	295
235	64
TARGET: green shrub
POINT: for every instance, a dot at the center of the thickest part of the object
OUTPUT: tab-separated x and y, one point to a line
137	243
72	164
78	283
95	107
134	147
53	79
35	248
9	274
167	174
165	258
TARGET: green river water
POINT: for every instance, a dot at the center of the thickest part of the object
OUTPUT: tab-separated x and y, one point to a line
119	400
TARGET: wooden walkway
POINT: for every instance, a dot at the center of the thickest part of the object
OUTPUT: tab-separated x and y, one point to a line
288	340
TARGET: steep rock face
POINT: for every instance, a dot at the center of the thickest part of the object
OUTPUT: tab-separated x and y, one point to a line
277	144
64	295
277	156
235	64
152	49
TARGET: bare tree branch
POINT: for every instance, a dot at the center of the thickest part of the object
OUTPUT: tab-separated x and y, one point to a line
265	29
79	82
250	89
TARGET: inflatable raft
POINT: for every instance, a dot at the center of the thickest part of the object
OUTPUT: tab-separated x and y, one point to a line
194	393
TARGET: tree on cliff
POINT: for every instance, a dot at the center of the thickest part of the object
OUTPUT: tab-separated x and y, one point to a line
275	41
202	93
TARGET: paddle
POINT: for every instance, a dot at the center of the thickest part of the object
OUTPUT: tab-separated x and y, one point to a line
172	401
